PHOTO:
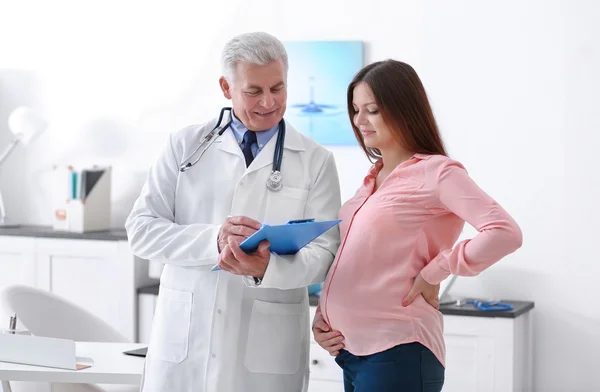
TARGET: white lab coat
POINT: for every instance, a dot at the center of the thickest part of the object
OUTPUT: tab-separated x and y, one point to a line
215	331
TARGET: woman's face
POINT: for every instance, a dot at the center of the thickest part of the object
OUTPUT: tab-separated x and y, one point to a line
369	120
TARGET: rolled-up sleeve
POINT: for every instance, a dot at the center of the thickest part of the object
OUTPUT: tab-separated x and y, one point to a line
499	234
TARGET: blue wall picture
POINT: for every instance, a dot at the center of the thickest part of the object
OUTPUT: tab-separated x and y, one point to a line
318	78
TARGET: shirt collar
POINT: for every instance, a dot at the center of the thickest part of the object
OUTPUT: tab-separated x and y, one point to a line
422	156
239	129
379	164
375	168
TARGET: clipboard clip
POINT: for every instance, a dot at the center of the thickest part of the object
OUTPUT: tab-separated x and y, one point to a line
292	222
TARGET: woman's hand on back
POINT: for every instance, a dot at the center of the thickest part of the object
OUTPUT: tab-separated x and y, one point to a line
430	292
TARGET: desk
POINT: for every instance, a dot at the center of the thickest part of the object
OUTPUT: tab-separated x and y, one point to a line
111	366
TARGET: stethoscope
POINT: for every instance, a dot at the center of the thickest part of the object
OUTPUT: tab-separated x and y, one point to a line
488	306
275	180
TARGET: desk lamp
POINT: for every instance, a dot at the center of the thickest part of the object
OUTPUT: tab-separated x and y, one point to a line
26	125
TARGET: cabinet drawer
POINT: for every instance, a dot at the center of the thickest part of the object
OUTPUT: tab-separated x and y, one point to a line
325	386
323	366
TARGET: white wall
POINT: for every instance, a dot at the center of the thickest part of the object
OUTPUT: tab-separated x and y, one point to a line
513	86
515	90
118	76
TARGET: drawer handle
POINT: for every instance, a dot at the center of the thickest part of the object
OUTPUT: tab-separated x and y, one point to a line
315	362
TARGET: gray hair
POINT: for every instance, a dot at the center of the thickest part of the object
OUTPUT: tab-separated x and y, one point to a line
254	48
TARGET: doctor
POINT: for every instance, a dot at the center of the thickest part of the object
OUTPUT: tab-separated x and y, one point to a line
245	328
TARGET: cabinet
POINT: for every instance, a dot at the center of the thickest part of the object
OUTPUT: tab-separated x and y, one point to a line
94	270
16	261
325	386
325	374
16	264
485	352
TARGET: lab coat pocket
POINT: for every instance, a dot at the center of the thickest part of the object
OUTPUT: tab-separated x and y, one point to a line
275	338
171	328
287	204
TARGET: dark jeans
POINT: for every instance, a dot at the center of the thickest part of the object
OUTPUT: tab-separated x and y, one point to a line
408	367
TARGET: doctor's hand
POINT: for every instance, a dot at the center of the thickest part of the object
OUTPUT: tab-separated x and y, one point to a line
429	291
233	259
237	227
328	339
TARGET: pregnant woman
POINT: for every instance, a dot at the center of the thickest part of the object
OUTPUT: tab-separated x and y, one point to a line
378	310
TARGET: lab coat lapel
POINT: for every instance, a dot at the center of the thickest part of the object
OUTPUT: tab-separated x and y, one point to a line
265	156
230	145
293	142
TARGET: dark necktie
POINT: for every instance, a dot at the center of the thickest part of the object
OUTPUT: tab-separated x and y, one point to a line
247	142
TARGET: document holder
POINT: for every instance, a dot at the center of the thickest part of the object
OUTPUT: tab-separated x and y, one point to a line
286	239
93	212
289	238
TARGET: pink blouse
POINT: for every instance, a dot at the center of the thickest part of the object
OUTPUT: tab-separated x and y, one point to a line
409	226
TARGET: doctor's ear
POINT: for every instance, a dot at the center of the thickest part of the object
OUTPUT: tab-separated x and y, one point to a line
225	87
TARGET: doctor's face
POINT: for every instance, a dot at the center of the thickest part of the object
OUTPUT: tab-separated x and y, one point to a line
258	94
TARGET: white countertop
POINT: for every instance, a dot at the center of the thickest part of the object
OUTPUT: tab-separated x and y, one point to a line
110	366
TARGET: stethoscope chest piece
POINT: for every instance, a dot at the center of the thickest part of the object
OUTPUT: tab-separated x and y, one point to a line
274	182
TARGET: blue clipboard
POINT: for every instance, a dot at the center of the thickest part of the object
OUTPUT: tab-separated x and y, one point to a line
286	239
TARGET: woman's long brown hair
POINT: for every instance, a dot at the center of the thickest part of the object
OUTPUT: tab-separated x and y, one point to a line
403	103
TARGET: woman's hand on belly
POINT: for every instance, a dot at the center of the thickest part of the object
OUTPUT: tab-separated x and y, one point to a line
420	287
328	339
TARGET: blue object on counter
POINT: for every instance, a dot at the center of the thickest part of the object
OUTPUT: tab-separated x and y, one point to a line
488	306
315	289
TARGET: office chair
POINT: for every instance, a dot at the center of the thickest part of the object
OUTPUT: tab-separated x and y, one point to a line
46	314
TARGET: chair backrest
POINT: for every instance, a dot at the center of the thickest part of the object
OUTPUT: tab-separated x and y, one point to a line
46	314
